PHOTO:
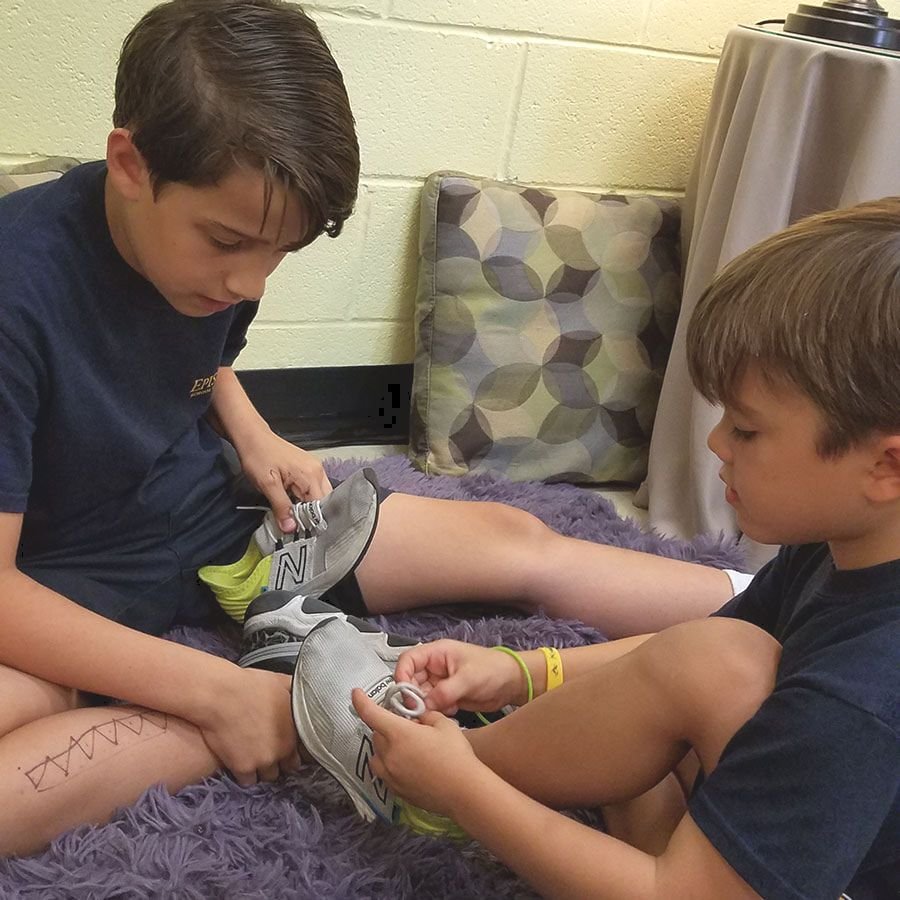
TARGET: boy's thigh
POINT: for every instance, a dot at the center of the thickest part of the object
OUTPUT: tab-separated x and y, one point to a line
25	698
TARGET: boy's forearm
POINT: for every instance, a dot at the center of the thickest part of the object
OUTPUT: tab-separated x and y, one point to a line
233	413
49	636
559	856
578	660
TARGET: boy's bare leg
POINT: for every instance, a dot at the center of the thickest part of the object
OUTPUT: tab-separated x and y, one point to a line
80	765
24	698
432	551
63	763
616	735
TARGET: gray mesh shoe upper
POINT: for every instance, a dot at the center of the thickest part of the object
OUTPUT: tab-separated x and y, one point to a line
333	660
332	536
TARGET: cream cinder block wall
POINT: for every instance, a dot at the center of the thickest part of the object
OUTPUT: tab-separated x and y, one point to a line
594	94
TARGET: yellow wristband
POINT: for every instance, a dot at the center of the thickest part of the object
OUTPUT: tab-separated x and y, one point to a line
554	667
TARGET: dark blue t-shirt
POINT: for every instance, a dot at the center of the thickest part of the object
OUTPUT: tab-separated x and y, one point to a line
103	385
804	801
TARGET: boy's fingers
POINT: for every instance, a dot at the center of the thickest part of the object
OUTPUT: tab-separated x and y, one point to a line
279	501
421	659
436	720
292	763
375	716
324	485
446	695
244	779
269	773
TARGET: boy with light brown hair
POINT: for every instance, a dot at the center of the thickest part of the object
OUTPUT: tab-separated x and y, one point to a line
755	753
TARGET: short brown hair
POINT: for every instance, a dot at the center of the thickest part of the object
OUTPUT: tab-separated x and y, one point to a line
204	85
817	306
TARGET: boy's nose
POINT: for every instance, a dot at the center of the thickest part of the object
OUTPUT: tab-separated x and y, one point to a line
246	283
716	440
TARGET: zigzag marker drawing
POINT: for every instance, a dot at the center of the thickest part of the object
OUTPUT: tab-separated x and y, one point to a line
53	770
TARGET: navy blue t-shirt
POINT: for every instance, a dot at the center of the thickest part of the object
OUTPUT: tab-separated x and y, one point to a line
103	385
804	801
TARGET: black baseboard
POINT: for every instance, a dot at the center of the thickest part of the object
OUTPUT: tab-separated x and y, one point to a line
331	406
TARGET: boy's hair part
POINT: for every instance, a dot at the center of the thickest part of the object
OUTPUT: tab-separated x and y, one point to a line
205	85
817	307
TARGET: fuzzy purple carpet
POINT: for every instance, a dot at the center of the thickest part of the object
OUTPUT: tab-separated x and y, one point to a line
300	838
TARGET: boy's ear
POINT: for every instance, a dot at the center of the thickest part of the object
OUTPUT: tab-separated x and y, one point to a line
127	170
884	482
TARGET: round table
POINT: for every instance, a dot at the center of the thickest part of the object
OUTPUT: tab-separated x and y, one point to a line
796	126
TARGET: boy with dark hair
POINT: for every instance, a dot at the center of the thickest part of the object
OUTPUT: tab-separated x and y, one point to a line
756	752
126	291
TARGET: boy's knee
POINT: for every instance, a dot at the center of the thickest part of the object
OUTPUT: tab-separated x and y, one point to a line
719	662
524	531
25	698
747	661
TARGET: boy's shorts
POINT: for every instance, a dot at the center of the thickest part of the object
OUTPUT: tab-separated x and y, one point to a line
153	584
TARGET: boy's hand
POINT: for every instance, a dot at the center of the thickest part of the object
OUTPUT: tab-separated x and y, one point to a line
251	730
284	473
456	675
424	762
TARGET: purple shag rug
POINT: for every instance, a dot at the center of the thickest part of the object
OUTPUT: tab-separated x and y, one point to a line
300	838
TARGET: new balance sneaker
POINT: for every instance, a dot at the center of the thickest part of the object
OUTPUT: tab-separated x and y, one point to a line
332	537
334	658
277	623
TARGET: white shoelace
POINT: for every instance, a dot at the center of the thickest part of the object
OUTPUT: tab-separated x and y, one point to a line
395	695
309	516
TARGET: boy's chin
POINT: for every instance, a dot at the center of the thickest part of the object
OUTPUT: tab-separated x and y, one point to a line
760	533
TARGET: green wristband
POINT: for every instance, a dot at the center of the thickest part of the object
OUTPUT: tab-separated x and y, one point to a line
522	666
509	652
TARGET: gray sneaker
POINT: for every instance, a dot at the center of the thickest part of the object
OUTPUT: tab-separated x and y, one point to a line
331	538
277	623
334	658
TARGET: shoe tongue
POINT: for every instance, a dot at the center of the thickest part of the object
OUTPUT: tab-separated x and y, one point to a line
378	688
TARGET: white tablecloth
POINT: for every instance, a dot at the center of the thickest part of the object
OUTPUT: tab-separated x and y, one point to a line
795	127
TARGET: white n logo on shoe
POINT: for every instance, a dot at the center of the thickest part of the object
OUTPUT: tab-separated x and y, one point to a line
289	566
364	769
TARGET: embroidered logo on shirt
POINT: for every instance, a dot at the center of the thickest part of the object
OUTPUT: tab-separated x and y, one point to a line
203	386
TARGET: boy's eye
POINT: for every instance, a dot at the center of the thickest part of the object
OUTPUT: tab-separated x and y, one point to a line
225	247
741	435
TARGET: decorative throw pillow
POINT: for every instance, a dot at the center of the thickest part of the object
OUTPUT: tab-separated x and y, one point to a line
19	175
544	320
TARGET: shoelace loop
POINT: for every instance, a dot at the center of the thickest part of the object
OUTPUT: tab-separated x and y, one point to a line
394	697
309	516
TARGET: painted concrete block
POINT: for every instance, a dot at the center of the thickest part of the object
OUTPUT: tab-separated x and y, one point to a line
327	344
387	281
57	67
361	7
680	25
608	22
608	117
318	282
425	101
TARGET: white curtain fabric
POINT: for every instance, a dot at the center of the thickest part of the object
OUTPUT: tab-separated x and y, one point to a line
795	127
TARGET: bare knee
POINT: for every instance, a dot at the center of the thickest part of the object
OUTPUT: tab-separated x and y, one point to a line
717	672
518	524
745	660
525	543
25	698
